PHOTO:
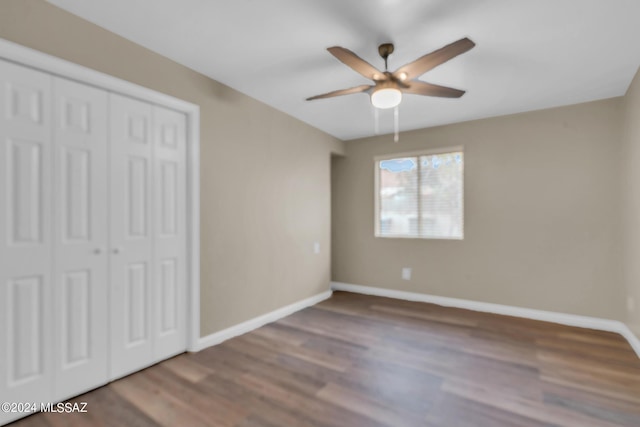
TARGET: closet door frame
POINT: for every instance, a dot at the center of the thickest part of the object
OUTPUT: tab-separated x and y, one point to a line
43	62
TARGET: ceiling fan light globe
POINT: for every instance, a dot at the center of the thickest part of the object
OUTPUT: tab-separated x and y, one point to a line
386	98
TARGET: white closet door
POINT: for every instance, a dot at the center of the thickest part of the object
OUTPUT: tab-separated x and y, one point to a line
80	237
25	236
169	232
131	235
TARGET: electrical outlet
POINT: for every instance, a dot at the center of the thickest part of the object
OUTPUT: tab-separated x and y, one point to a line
631	304
406	273
316	248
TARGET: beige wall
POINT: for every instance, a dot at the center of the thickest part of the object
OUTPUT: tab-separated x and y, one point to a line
542	209
631	218
265	176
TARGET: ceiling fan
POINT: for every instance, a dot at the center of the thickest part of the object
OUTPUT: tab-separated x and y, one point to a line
388	87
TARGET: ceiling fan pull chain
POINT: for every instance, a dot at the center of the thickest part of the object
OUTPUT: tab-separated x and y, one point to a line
396	124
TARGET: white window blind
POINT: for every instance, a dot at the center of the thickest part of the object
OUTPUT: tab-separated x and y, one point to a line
420	196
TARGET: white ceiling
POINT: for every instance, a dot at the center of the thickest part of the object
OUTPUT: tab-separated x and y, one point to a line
529	55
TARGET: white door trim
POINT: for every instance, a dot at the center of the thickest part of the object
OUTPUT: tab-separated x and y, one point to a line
44	62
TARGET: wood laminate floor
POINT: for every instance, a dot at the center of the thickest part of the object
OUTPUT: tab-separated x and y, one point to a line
357	360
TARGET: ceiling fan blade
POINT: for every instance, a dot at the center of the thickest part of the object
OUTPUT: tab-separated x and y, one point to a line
357	89
431	60
358	64
427	89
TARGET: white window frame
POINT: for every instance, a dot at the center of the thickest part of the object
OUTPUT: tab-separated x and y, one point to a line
376	190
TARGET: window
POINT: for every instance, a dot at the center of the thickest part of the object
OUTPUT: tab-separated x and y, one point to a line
420	195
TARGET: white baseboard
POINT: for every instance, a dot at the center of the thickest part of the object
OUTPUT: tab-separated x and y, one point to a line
507	310
256	322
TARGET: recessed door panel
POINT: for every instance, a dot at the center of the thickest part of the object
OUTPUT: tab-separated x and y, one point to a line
25	103
75	114
76	192
170	135
136	304
168	288
76	309
24	190
138	125
27	328
137	188
25	236
80	236
168	193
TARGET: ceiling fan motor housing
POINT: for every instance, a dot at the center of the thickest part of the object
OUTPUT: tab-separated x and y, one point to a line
385	50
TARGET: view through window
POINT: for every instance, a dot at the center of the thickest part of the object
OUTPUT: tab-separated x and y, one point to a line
420	195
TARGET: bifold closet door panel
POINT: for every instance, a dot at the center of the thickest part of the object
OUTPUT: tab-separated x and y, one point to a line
80	237
169	232
131	235
26	358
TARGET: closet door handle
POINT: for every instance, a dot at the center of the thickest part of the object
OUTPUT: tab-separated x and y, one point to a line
116	250
97	251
